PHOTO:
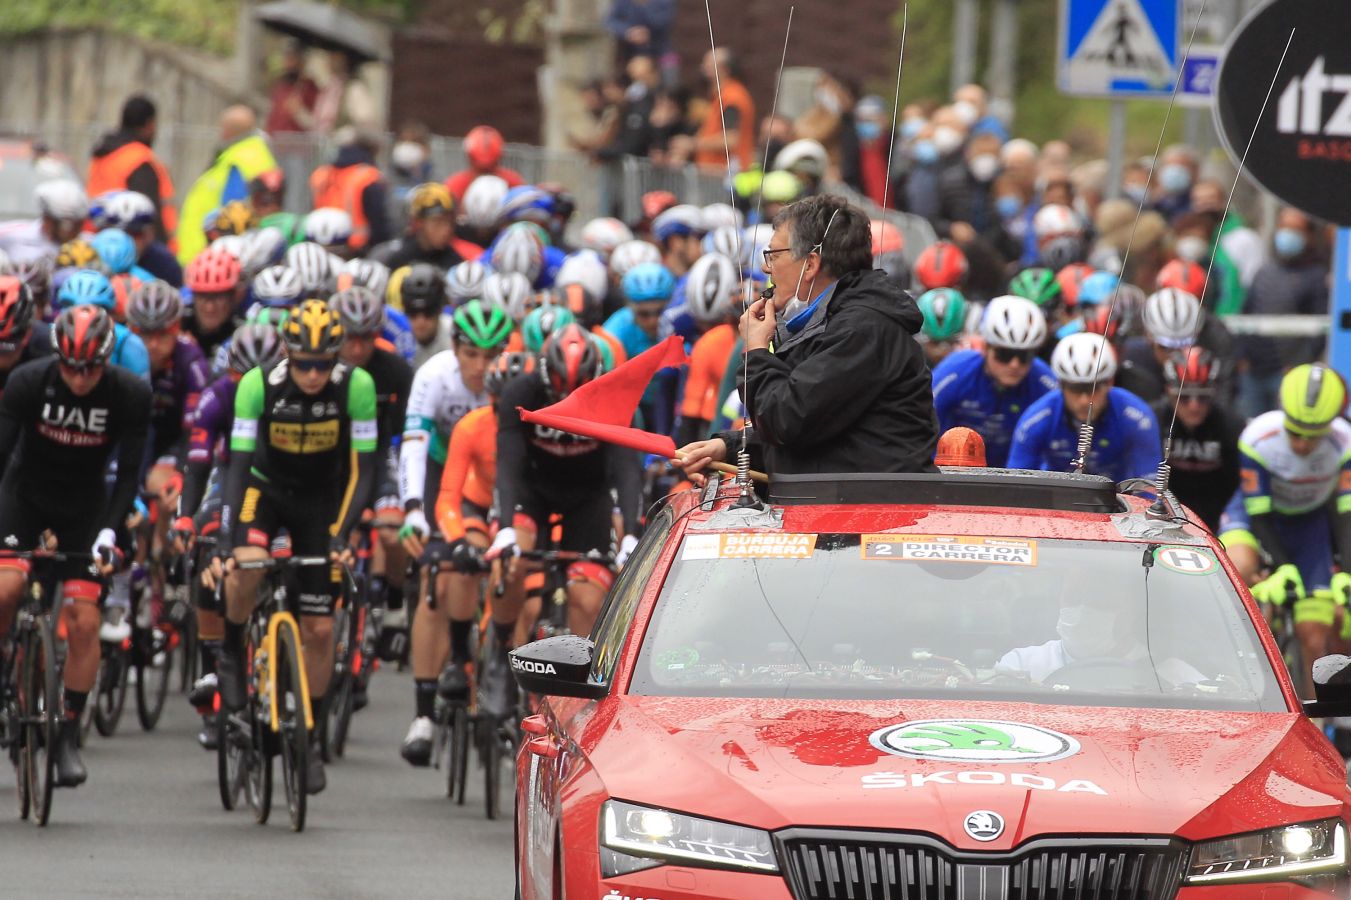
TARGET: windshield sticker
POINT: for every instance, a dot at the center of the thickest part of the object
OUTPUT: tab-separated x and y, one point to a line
974	740
950	548
748	545
894	780
1187	561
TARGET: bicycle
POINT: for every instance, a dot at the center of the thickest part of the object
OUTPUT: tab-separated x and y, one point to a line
455	719
349	657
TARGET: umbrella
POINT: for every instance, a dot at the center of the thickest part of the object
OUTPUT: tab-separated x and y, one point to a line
326	26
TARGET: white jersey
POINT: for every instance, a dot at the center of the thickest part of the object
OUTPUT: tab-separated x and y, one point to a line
1295	484
440	342
437	401
23	240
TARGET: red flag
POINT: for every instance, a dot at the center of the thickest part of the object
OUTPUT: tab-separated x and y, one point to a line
604	408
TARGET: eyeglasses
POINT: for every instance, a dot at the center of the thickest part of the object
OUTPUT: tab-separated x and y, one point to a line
646	313
1080	389
81	367
1202	397
1006	356
313	365
768	253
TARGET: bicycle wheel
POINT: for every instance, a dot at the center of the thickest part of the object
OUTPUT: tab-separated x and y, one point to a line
188	654
154	669
231	746
458	766
14	729
293	739
40	704
258	780
498	745
110	692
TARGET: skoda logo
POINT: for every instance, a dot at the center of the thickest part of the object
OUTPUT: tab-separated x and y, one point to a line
984	825
974	740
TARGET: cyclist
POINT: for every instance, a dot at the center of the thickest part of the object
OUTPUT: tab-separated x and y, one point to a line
465	281
543	321
62	209
431	233
303	458
941	265
213	277
988	390
483	149
588	309
648	288
713	294
1294	503
135	214
945	313
1203	450
1125	433
542	471
22	337
89	288
1173	320
422	293
60	421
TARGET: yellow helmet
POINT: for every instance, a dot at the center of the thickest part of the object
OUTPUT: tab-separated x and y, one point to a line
394	290
235	217
313	328
430	199
1312	397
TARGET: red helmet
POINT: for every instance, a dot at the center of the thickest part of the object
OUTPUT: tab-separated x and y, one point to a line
568	360
941	265
887	238
1096	321
1070	279
83	336
214	271
16	308
1196	369
483	146
585	306
1183	275
655	203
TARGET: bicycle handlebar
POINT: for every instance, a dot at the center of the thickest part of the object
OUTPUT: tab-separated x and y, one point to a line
296	562
52	555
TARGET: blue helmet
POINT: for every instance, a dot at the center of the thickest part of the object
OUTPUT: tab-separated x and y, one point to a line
1097	288
527	203
87	287
648	281
116	248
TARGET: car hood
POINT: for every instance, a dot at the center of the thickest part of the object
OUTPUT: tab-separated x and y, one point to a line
776	763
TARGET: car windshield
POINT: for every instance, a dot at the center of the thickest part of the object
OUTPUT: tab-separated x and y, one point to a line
938	616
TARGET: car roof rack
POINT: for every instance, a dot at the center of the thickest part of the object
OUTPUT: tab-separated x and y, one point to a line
962	486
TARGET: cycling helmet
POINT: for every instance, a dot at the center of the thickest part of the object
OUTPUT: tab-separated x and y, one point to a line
483	147
564	203
80	254
1071	280
1100	319
711	289
274	317
360	309
757	239
463	282
587	308
128	210
87	288
313	264
1183	275
289	224
724	239
271	183
262	248
429	199
63	200
887	238
1129	307
607	354
214	271
506	367
1056	220
116	248
483	324
944	312
1013	323
278	286
36	273
16	309
604	235
233	244
255	345
510	290
722	215
682	219
941	264
520	250
543	322
1084	358
235	217
647	282
482	202
367	273
154	306
527	203
805	156
586	268
568	361
313	328
1038	285
329	227
1312	397
1098	288
83	336
1172	318
1060	252
630	254
1196	370
654	203
780	187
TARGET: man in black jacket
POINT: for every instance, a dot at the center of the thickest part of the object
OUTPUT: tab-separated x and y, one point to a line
846	388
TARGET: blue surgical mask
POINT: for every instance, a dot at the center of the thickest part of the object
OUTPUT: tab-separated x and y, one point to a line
1175	178
1008	206
925	152
868	130
1134	192
911	127
1289	243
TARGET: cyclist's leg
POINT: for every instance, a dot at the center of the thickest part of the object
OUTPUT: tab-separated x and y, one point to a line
389	562
1239	543
588	527
254	526
19	530
430	638
1308	540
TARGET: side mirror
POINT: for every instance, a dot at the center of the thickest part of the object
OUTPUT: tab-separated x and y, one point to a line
1331	687
558	666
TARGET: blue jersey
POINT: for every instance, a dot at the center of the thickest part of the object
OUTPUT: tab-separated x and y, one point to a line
399	333
129	352
1125	438
965	396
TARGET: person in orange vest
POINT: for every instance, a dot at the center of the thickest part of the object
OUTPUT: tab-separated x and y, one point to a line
353	183
735	113
483	149
123	160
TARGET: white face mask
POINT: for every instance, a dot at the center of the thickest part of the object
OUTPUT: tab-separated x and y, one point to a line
947	139
1087	631
984	167
1192	249
407	155
966	111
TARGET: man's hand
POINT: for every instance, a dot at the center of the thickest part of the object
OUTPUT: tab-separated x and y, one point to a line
183	532
694	458
504	545
1341	588
340	551
413	535
625	550
758	324
216	570
1278	585
104	551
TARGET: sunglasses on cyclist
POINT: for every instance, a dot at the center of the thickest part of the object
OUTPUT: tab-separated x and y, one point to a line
1005	355
313	365
1196	397
81	367
1085	388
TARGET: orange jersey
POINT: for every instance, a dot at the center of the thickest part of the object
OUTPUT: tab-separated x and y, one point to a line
515	343
470	472
708	363
616	348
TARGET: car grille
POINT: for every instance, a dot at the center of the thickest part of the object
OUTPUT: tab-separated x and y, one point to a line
850	865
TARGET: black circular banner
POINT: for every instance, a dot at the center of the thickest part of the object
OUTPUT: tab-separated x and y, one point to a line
1301	149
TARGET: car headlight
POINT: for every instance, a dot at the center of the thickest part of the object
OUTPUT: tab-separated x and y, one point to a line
1279	854
641	833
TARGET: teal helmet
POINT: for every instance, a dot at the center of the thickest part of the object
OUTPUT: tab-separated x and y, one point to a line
944	312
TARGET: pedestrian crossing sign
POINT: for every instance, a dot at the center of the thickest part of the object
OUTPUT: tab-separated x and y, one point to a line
1118	48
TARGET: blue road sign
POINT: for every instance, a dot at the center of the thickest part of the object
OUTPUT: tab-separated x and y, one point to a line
1118	48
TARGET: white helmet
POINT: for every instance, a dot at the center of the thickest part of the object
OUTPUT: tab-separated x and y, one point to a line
368	273
722	215
63	199
278	286
585	267
483	201
1172	318
519	249
630	254
128	210
804	156
712	288
681	219
1056	220
1013	323
313	264
1083	358
511	290
329	227
604	234
262	248
465	280
233	244
727	240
